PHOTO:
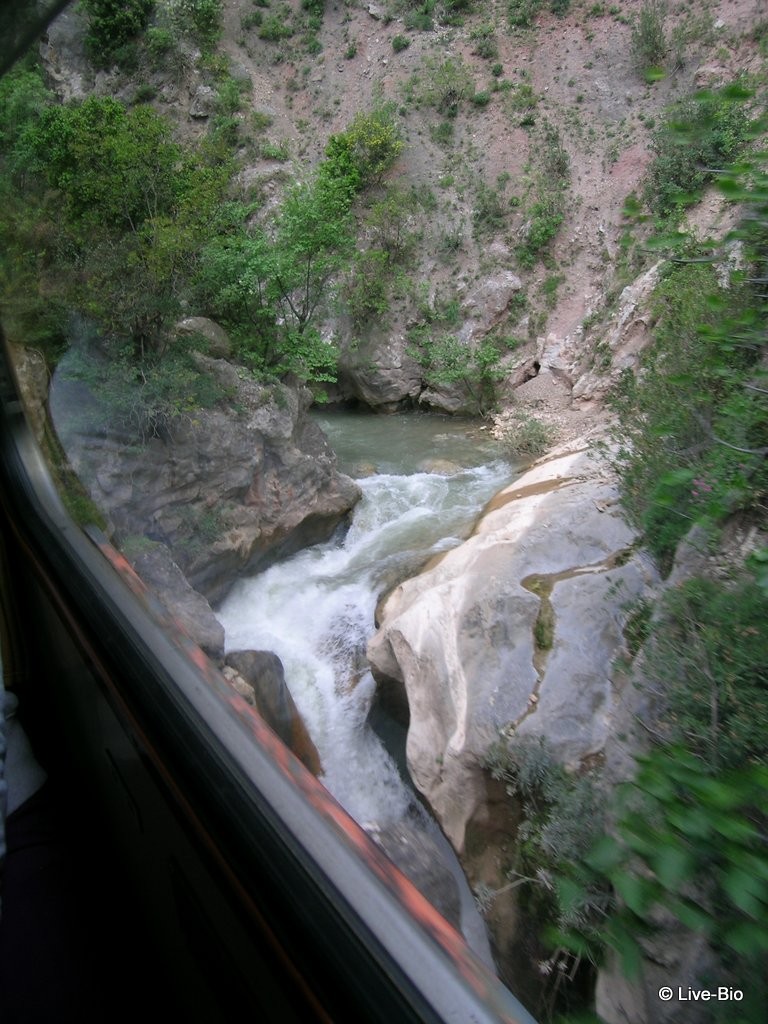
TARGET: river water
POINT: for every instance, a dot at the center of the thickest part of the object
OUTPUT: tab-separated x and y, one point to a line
426	479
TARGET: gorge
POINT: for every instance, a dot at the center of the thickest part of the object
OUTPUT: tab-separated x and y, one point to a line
375	215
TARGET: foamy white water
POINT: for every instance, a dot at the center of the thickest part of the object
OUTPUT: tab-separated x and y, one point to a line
316	612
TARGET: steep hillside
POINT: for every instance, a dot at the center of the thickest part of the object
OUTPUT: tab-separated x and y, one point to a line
501	222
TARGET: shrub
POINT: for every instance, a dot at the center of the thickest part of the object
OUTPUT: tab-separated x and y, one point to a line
251	20
362	153
490	213
453	11
274	151
525	436
159	41
521	100
548	211
421	18
521	13
261	121
113	24
442	133
400	43
228	97
366	292
145	396
446	85
708	654
199	18
449	363
648	43
275	28
691	844
145	93
484	38
699	133
562	818
389	223
312	44
546	216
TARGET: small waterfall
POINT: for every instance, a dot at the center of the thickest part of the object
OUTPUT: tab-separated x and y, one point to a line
316	610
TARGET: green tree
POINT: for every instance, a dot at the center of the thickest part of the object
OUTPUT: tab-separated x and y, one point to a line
145	398
125	211
23	98
114	167
313	242
271	284
447	362
389	222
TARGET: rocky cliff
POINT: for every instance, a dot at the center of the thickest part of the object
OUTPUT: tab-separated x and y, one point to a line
227	489
515	631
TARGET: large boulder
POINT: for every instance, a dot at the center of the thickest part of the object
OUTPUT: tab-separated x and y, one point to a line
63	53
623	338
378	371
215	339
514	631
420	860
263	672
228	489
202	102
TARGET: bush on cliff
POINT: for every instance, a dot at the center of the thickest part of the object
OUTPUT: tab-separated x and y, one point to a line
112	24
699	135
363	152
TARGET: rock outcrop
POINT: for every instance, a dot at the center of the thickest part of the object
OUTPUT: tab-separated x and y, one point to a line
190	609
32	378
515	630
227	489
485	306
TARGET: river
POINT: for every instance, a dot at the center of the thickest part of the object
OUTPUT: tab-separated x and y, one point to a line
427	478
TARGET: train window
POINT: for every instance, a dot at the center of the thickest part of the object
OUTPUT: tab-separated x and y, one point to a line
203	563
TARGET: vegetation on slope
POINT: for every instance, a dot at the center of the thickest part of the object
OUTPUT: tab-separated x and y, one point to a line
134	227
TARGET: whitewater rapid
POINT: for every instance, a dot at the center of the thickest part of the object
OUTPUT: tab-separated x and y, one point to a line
316	612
